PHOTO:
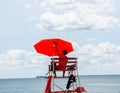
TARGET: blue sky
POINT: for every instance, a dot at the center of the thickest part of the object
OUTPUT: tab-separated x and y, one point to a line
91	25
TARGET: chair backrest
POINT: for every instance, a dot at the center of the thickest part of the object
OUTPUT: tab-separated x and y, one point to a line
62	63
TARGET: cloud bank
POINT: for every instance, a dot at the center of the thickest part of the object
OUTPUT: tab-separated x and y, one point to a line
68	15
21	63
103	58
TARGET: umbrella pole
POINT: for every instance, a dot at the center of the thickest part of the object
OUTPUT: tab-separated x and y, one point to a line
54	73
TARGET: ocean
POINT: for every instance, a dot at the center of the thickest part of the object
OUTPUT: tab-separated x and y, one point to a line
92	83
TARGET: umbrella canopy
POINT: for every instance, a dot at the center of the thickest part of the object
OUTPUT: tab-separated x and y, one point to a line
53	46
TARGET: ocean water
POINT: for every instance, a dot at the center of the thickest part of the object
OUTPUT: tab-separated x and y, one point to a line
93	84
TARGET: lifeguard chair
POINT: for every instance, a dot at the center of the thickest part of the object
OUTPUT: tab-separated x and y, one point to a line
55	67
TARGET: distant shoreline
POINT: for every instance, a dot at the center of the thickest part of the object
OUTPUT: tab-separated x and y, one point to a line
102	75
85	75
79	75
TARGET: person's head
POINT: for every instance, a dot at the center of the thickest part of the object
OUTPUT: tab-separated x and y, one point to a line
64	52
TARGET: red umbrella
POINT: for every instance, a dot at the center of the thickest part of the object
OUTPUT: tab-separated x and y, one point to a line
53	46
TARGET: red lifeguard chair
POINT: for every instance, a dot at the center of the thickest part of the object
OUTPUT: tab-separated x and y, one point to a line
56	47
53	68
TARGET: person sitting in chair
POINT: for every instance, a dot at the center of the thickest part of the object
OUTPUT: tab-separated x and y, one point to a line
63	59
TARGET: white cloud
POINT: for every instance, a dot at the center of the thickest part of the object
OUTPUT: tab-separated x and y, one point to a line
76	15
58	22
17	62
103	58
